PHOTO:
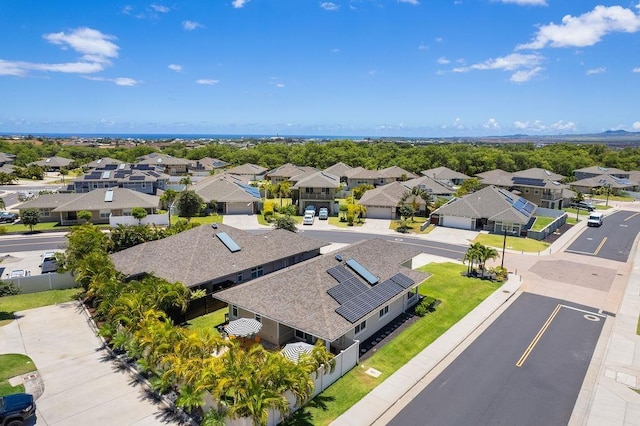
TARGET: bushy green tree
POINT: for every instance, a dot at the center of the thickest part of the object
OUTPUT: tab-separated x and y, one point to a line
189	204
30	217
285	222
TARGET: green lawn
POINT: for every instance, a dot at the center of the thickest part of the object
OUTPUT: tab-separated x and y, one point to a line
541	222
208	321
45	226
12	365
20	302
414	227
214	218
335	221
262	221
458	295
638	327
513	243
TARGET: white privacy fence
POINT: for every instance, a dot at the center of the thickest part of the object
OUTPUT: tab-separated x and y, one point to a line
44	282
151	219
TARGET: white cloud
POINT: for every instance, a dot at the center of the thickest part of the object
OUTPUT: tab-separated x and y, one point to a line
160	8
423	47
526	2
414	2
175	67
373	72
457	124
636	69
120	81
335	50
327	5
279	85
596	71
208	82
525	75
96	51
439	39
443	61
239	3
636	125
191	25
536	125
586	29
92	44
491	124
127	10
561	125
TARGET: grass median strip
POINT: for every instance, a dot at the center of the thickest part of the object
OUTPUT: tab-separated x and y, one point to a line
12	365
458	295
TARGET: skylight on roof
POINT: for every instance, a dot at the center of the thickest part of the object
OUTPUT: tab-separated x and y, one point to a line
362	271
228	242
108	196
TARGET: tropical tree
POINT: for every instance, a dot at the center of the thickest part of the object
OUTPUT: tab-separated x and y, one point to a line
186	181
2	204
189	204
468	186
486	253
471	256
415	198
139	213
168	197
84	216
30	217
285	222
283	190
359	190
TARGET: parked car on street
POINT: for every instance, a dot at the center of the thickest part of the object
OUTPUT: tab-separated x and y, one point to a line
583	205
19	273
308	219
323	213
8	217
16	408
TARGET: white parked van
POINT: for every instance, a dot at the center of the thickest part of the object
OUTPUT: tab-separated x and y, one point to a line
595	219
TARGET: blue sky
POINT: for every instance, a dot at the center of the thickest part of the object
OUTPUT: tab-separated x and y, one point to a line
295	67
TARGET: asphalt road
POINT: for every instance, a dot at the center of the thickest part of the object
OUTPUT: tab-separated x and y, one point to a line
525	369
42	242
613	240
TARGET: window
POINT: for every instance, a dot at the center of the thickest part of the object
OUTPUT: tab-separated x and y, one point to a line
308	190
239	277
535	191
300	334
104	214
412	293
126	212
384	311
234	311
526	190
360	327
257	272
45	212
258	317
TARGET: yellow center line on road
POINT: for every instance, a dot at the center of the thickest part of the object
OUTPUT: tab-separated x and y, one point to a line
535	340
632	216
604	240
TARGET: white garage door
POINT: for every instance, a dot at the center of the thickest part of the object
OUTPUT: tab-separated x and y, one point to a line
380	212
239	208
457	222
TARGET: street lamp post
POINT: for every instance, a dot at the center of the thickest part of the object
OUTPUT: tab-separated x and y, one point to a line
577	213
608	186
504	245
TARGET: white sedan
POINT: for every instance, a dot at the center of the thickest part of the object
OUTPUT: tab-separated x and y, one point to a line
308	219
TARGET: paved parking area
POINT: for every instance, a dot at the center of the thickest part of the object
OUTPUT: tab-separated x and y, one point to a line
82	385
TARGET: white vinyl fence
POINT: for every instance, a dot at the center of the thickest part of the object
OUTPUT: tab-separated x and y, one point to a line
44	282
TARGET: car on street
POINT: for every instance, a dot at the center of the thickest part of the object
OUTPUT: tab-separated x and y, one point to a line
583	205
308	219
323	213
595	219
8	217
16	408
310	209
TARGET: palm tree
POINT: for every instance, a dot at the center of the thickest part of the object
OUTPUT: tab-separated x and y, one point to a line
486	253
168	198
186	181
472	254
2	204
415	198
284	190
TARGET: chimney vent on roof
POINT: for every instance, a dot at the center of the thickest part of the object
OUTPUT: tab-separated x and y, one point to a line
339	257
214	225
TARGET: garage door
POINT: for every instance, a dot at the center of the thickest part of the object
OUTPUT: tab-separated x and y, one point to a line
380	212
239	208
457	222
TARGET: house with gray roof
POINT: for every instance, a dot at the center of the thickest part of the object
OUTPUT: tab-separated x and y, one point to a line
446	175
397	173
491	208
317	189
53	164
611	183
248	172
138	177
206	166
539	186
595	171
382	202
231	194
287	171
341	297
102	203
216	256
361	176
172	166
102	162
6	159
339	169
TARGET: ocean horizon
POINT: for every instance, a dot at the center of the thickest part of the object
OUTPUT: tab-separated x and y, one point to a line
187	136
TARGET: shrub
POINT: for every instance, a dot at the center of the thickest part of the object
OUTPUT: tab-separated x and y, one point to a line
269	205
268	215
426	305
8	289
350	218
3	230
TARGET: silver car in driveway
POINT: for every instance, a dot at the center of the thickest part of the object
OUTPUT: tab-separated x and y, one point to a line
308	219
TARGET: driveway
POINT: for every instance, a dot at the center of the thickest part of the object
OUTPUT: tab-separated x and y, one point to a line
81	384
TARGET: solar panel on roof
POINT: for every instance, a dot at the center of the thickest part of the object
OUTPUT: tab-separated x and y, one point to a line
251	190
402	280
340	273
228	241
362	271
368	301
529	208
136	178
527	181
347	290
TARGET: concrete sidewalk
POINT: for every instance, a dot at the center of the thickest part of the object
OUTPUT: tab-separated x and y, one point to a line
382	403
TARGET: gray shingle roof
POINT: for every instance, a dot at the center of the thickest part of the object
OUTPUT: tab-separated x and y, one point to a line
289	170
70	202
338	169
101	162
444	173
384	196
489	202
318	180
247	169
396	172
297	296
496	177
223	188
538	173
599	170
48	201
431	185
196	256
362	173
53	162
163	160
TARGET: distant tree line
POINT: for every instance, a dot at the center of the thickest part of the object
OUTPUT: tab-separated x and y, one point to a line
470	159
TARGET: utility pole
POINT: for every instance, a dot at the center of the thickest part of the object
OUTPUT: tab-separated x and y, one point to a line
504	245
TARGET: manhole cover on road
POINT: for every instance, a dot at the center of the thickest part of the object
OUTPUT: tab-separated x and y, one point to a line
592	317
